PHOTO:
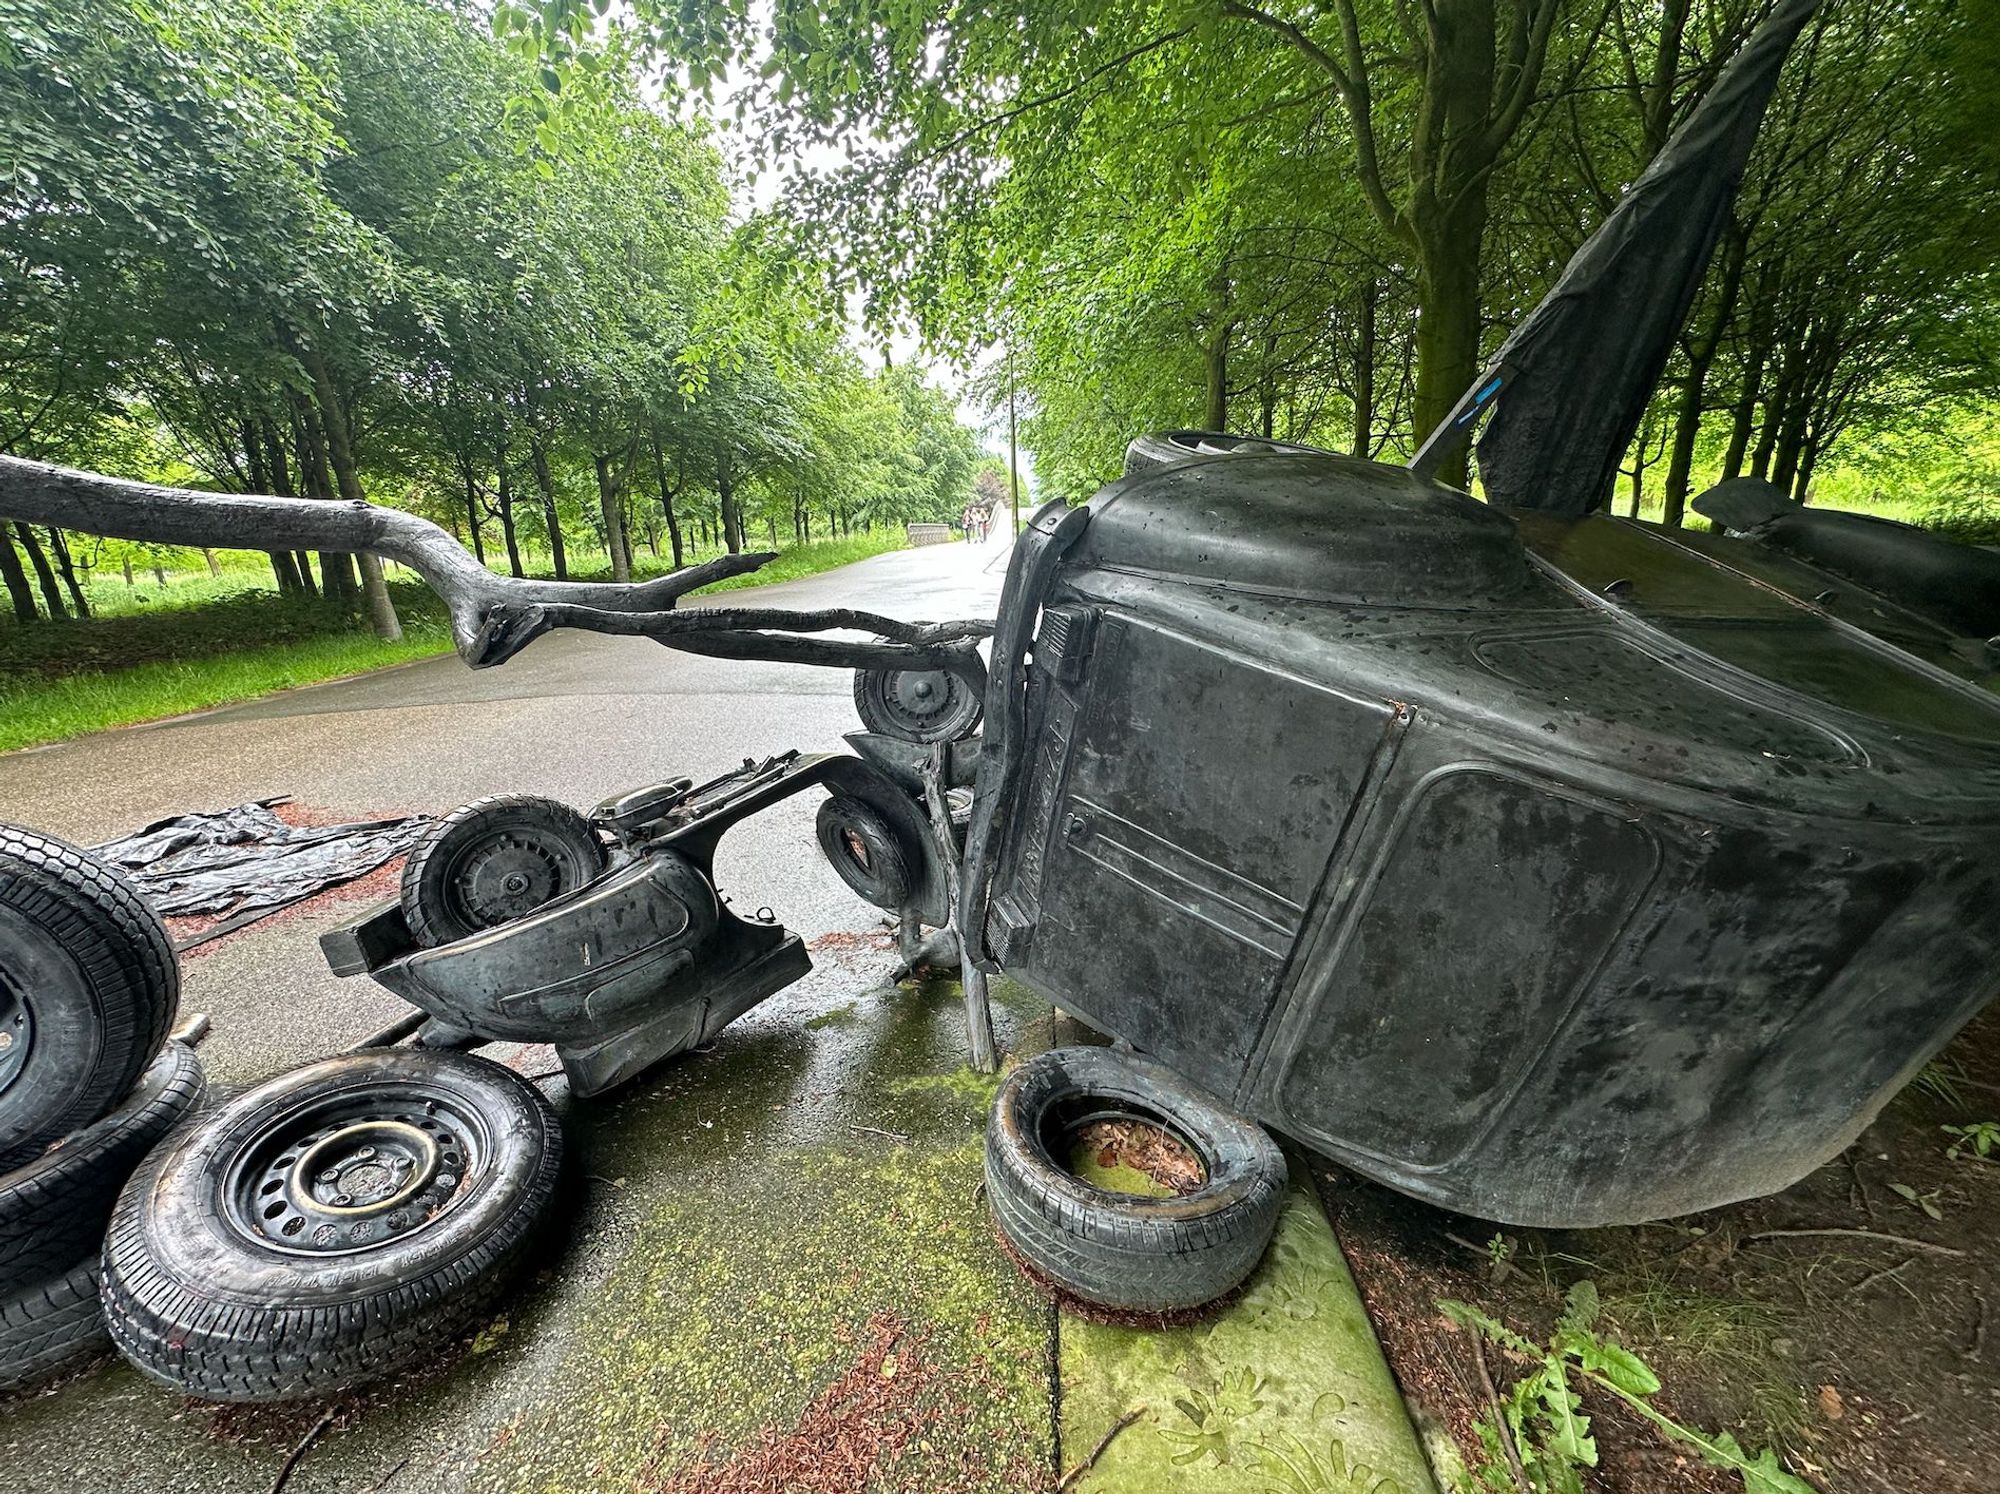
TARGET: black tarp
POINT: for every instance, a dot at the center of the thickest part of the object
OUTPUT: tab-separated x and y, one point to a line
248	861
1573	379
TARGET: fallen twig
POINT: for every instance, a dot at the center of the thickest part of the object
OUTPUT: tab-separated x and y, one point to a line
1978	1328
878	1131
1501	1266
1499	1417
1890	1272
305	1443
1851	1234
383	1482
1860	1188
1098	1451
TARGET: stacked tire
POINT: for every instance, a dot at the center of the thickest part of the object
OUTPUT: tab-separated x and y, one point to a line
89	1085
332	1225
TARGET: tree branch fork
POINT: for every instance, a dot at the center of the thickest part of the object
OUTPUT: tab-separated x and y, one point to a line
492	617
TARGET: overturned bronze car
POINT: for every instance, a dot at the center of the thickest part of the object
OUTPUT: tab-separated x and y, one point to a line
1564	871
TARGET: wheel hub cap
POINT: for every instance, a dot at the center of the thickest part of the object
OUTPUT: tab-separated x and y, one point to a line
353	1174
508	879
365	1169
921	698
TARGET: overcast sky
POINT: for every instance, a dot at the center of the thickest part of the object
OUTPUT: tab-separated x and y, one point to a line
764	191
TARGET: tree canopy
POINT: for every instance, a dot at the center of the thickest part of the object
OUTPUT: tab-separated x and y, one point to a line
1314	221
325	247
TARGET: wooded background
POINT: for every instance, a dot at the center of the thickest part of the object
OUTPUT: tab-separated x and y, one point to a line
1314	220
484	264
324	249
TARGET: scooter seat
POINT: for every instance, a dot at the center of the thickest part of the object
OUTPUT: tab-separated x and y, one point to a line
626	813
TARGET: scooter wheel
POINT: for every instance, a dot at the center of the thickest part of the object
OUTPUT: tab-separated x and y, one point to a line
865	851
1127	1251
917	705
493	861
331	1225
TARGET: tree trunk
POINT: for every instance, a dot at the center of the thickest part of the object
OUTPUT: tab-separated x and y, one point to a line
1364	374
336	571
545	481
505	490
725	493
128	562
18	590
1448	325
1743	416
1809	459
1687	425
472	515
283	567
66	568
1215	375
340	449
614	519
214	565
51	594
1791	441
667	504
278	473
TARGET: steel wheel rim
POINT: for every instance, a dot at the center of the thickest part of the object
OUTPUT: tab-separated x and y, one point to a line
17	1033
354	1171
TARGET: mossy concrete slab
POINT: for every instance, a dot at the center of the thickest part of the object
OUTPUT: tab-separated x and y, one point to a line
774	1251
1284	1392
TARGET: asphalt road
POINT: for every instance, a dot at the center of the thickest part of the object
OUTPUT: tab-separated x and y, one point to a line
773	1253
576	716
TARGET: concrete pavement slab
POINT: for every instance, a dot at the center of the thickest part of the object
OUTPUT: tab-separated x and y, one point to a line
1285	1391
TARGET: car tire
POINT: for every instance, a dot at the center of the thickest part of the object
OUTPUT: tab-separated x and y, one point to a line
1120	1251
51	1326
88	989
865	851
330	1226
53	1211
461	876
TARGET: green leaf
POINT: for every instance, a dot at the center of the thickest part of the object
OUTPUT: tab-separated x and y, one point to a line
1762	1475
1569	1429
1464	1315
1581	1306
1619	1365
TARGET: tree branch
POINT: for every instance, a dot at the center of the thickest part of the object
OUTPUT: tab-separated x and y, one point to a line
1351	78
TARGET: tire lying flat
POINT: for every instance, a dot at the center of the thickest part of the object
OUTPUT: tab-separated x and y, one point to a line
330	1226
50	1326
88	989
53	1210
1116	1250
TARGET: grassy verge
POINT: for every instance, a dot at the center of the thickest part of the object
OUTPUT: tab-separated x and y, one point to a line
185	651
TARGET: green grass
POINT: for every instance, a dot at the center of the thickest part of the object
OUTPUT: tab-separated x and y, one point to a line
153	652
55	710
